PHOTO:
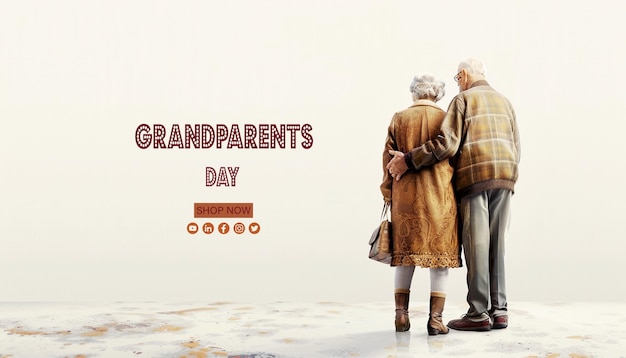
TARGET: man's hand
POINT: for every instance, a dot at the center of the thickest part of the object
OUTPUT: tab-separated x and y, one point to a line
397	166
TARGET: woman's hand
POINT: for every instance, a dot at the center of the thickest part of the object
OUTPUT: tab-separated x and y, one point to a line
397	166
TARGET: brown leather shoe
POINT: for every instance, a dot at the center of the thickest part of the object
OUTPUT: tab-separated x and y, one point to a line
465	324
435	324
402	321
500	322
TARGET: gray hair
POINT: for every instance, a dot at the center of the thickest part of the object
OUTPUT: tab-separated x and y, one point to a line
426	85
473	66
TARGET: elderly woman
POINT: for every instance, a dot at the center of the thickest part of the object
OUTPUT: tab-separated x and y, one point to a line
423	206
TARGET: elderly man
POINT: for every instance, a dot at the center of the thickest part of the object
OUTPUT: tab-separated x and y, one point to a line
480	135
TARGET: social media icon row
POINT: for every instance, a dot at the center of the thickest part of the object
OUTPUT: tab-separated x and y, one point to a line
223	228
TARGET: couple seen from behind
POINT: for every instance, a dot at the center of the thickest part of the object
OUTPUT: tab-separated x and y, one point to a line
449	178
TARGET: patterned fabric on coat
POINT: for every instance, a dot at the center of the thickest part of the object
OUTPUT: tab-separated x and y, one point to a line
423	205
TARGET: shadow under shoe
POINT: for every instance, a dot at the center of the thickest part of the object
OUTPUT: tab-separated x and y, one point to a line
402	310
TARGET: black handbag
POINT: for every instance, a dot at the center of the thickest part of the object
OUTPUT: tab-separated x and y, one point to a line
381	246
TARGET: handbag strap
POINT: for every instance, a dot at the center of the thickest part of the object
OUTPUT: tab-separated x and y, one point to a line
385	211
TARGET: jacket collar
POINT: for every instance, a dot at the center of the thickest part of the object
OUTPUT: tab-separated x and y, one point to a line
424	102
479	83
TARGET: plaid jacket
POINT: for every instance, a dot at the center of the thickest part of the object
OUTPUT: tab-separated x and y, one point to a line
480	133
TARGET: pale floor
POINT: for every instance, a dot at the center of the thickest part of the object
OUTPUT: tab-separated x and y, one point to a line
292	329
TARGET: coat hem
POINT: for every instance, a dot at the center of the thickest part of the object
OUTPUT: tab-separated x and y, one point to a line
426	261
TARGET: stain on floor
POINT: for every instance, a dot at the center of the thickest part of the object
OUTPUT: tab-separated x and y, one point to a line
288	330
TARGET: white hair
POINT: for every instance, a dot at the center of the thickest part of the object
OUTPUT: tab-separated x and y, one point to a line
426	85
473	66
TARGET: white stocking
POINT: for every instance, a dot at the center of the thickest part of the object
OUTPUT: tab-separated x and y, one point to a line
404	276
438	279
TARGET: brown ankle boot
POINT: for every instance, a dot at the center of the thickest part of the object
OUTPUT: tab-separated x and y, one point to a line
402	310
435	322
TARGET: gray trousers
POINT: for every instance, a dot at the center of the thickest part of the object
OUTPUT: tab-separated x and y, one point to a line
484	220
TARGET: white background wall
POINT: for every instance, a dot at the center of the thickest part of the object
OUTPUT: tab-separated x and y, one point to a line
87	215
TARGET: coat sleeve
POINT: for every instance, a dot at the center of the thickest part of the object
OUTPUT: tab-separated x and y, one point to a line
516	136
446	144
390	144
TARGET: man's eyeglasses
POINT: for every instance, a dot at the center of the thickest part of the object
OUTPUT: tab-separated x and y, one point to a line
457	77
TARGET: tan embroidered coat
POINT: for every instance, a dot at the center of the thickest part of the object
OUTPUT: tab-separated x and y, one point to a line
423	206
